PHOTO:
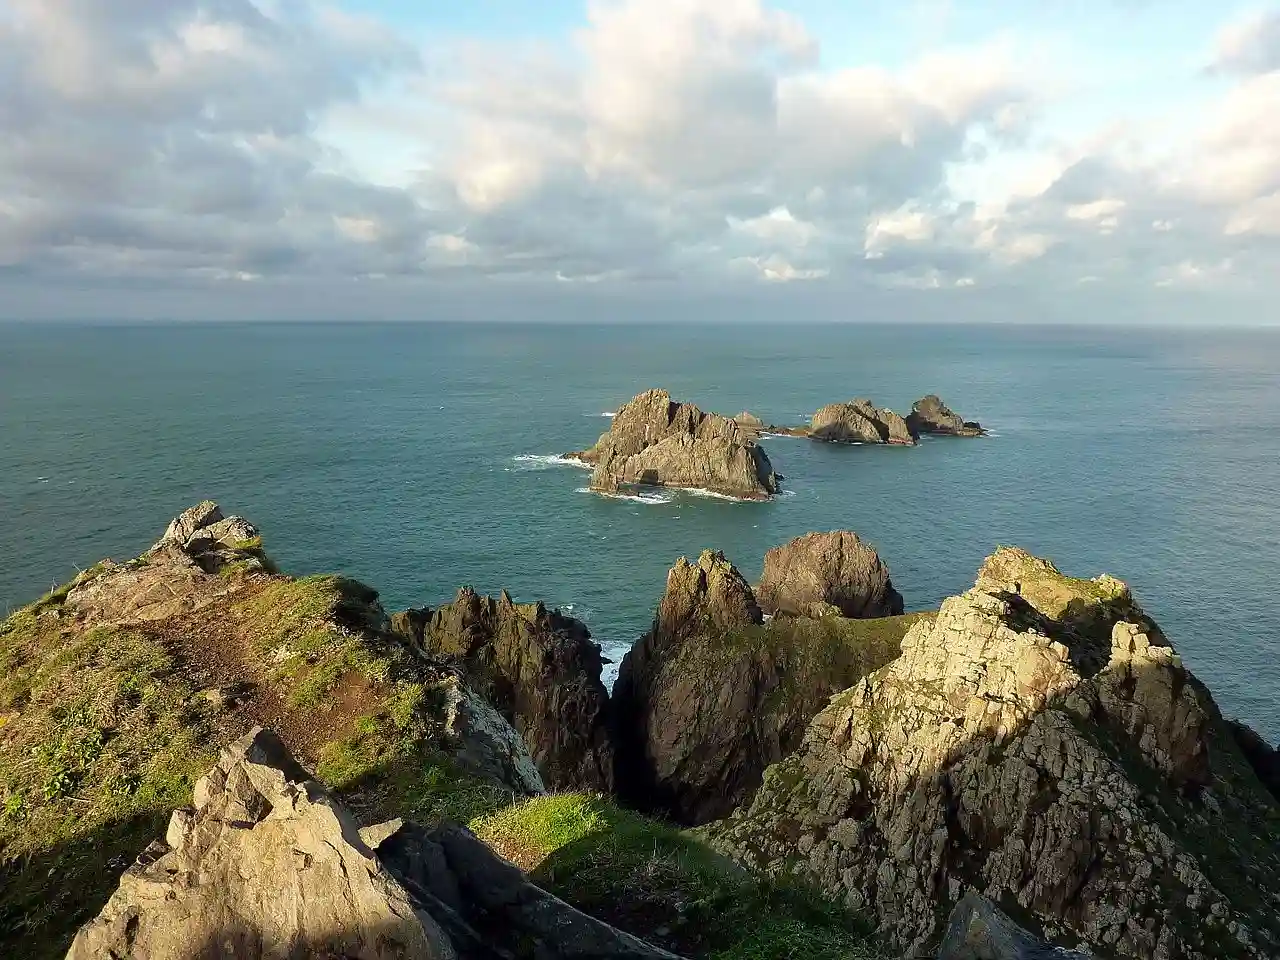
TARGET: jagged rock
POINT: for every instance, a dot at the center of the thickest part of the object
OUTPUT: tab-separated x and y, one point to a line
981	931
819	571
859	421
175	574
539	668
654	440
484	742
930	415
711	694
268	865
1060	760
749	423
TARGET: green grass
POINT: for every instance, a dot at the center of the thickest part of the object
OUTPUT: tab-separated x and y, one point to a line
103	740
644	877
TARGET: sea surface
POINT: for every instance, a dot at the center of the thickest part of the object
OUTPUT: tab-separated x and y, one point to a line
419	458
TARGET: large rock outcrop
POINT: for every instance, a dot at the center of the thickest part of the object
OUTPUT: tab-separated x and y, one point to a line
979	930
656	441
930	415
712	694
268	865
538	667
823	573
859	421
1040	743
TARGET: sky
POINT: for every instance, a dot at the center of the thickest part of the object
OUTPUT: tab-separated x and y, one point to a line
1075	162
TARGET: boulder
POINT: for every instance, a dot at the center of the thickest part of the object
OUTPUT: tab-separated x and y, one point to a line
859	421
655	441
712	694
268	865
539	668
1039	742
979	930
930	415
819	571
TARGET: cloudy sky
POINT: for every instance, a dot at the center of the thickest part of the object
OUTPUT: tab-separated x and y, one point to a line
1068	160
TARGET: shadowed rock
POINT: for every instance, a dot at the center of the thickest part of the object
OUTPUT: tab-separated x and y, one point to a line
859	421
822	573
1040	742
655	441
712	694
539	668
267	865
930	415
980	931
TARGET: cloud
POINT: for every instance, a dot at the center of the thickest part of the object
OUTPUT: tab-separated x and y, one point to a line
707	144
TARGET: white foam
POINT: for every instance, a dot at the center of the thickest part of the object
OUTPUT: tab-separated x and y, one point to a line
652	499
543	461
42	479
610	414
699	492
786	493
784	436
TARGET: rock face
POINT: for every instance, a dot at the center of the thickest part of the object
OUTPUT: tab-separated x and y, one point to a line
539	668
654	440
711	694
859	421
822	573
1038	741
981	931
173	576
268	865
930	415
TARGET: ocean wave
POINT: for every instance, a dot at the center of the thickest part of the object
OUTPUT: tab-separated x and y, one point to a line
544	461
785	493
783	436
699	492
610	414
652	499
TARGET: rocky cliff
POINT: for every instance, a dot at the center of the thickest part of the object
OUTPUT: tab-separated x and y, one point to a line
930	415
712	694
1041	743
824	573
859	421
118	689
539	668
656	441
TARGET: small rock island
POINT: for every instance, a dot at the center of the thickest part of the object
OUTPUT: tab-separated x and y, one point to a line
930	415
656	441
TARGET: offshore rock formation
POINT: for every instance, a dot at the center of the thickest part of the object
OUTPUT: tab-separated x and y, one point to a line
859	421
538	667
1038	742
655	441
268	864
712	694
824	573
930	415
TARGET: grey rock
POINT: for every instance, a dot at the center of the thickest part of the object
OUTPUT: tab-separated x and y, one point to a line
859	421
656	441
268	866
930	415
981	931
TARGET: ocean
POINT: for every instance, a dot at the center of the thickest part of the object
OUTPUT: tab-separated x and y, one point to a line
419	458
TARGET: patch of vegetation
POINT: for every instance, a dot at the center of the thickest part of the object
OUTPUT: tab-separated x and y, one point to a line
644	877
390	766
314	631
103	742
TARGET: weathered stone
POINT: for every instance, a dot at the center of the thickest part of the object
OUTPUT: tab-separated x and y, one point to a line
539	668
859	421
981	931
1264	758
819	571
268	866
930	415
655	441
1035	742
711	694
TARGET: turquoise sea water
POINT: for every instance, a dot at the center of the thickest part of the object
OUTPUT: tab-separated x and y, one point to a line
408	456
